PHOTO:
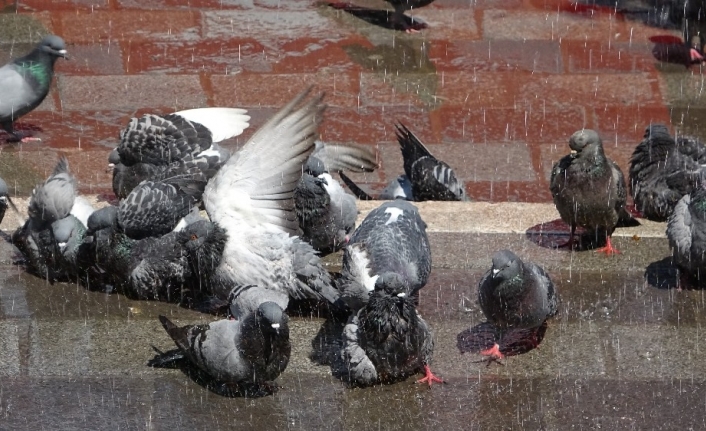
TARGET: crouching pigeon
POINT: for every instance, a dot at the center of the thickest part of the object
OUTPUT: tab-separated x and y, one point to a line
25	82
244	355
686	230
515	295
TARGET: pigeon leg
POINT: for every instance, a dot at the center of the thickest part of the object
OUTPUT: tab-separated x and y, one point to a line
696	56
608	249
492	355
429	377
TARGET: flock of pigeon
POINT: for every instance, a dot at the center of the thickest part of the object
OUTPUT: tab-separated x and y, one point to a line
274	209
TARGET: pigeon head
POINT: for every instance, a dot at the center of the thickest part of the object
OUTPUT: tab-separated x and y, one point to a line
314	166
103	218
391	283
195	235
113	158
54	46
506	265
656	130
583	138
272	316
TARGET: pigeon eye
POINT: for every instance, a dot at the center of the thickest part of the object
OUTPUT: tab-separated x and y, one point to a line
194	237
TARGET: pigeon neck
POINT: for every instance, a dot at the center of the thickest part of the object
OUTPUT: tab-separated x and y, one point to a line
40	66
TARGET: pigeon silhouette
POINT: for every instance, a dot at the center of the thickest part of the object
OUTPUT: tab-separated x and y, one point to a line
25	82
663	169
589	189
245	355
515	295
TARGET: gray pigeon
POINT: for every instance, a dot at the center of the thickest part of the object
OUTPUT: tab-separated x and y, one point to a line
245	354
589	189
325	212
5	200
432	179
181	144
515	295
251	199
399	188
25	82
387	340
392	244
686	230
663	169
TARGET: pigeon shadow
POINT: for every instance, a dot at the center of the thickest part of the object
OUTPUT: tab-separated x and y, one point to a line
511	343
380	18
19	127
554	235
664	274
174	359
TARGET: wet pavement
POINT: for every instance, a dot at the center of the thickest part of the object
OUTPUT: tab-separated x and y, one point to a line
494	87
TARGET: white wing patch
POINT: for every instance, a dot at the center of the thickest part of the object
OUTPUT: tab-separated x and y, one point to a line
360	266
209	153
395	213
223	123
82	209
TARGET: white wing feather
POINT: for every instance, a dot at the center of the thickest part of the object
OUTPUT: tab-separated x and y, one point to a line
223	123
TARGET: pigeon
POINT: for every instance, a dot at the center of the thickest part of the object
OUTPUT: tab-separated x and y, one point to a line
589	189
245	354
5	200
399	188
25	82
387	340
662	170
432	179
325	212
686	231
251	199
392	244
401	21
184	143
515	295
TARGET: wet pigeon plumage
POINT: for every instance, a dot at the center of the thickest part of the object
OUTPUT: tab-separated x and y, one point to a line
25	82
432	179
686	230
182	144
5	200
326	213
515	295
387	340
589	189
245	354
251	198
391	243
399	188
664	169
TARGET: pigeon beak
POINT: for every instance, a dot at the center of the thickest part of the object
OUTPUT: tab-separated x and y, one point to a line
495	272
62	53
574	153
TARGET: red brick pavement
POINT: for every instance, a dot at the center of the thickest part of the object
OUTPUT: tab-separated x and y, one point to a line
494	87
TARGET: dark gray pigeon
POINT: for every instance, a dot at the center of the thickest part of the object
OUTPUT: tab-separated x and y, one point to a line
245	354
181	144
399	188
391	243
325	212
515	295
251	199
663	169
432	179
5	200
400	21
387	340
686	230
25	82
589	190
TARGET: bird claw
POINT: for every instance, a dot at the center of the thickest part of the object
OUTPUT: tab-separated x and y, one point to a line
30	139
492	355
429	377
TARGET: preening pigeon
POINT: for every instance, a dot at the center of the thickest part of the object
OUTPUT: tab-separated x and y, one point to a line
391	244
686	230
387	340
251	199
245	354
663	169
25	82
589	189
325	212
5	200
182	144
432	179
515	295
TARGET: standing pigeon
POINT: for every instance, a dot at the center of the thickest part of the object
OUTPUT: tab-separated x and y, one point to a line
5	200
25	82
589	189
515	295
251	199
387	340
432	179
391	244
325	212
399	188
686	230
156	147
662	170
245	354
